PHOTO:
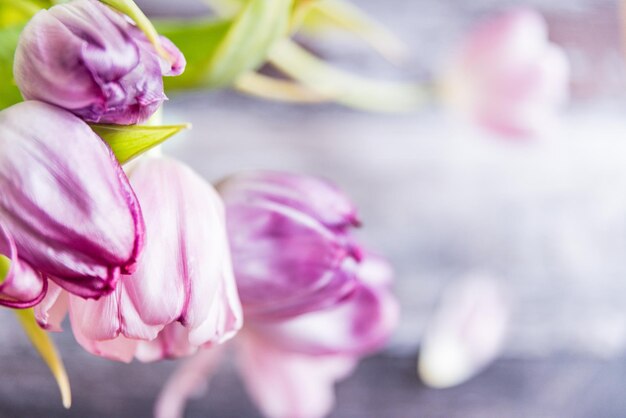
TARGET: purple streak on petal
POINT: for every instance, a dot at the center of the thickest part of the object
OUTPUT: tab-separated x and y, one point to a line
66	200
185	274
361	324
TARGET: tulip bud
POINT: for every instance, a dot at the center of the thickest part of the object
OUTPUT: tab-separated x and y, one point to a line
507	75
289	238
184	274
65	199
89	59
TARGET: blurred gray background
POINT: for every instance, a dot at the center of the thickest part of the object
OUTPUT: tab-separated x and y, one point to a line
441	200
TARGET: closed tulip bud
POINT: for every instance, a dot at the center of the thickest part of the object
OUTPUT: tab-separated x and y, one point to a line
183	288
508	76
65	200
89	59
290	242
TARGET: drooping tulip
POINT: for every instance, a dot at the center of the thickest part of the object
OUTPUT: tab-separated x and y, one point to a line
508	76
89	59
183	287
289	233
65	200
289	366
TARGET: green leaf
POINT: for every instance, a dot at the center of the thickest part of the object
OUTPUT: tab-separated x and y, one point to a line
219	51
128	142
343	87
5	265
9	93
270	88
18	12
42	343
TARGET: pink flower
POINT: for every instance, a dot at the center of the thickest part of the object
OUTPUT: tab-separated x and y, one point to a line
184	277
66	206
290	362
508	76
291	233
89	59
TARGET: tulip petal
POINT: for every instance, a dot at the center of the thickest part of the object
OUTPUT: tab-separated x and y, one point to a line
21	286
317	198
52	310
360	324
66	200
284	384
466	333
291	254
186	381
185	272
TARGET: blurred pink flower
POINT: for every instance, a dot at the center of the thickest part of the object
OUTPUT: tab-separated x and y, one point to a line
467	332
290	362
183	278
292	234
66	206
508	76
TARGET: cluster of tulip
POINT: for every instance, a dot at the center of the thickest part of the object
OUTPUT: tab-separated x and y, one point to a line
150	260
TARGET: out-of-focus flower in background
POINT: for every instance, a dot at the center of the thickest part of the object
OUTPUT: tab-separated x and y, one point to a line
184	275
466	333
290	361
66	201
89	59
292	234
507	75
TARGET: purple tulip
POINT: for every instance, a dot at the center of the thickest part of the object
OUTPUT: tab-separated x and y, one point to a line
183	293
290	366
89	59
65	200
290	241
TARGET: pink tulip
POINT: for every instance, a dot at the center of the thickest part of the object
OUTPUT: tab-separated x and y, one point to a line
89	59
289	366
183	291
508	76
291	234
66	204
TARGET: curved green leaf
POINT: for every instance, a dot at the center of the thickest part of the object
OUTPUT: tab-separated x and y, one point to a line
128	142
48	352
219	51
341	86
